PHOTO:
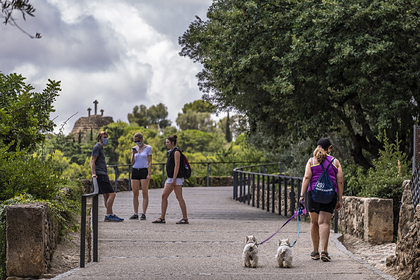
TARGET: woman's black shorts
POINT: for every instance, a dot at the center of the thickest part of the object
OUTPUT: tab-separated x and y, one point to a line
317	207
139	174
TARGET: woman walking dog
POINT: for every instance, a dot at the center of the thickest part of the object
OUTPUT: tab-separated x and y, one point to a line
141	160
320	213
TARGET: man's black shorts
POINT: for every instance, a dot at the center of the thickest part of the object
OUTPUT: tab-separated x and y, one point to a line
139	174
104	184
317	207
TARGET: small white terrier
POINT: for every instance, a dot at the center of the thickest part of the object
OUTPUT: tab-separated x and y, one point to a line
284	254
250	254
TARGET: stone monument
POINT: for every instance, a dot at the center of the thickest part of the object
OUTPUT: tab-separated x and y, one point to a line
94	122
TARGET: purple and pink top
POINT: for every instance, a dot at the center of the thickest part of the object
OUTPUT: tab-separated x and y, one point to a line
317	171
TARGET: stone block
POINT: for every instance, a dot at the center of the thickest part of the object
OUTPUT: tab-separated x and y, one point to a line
25	240
378	222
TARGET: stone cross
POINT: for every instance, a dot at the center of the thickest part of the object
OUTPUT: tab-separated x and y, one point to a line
89	112
96	106
102	112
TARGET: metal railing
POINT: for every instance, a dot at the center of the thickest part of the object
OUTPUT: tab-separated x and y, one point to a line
208	170
255	187
94	196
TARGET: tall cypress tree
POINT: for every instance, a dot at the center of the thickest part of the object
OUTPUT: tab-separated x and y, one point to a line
91	134
228	133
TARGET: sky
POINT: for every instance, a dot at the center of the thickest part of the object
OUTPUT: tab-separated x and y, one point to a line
121	53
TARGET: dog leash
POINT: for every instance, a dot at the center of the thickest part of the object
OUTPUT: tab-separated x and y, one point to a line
301	211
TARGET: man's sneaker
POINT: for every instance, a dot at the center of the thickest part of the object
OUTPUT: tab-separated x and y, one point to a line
134	217
315	256
325	257
113	218
143	217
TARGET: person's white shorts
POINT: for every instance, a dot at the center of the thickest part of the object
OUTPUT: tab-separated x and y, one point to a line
178	181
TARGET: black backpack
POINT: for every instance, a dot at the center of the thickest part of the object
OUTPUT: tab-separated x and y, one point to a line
324	189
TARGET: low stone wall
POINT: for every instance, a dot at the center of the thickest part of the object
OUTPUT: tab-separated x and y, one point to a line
31	236
370	219
407	254
122	184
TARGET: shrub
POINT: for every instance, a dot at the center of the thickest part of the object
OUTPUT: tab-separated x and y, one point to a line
385	178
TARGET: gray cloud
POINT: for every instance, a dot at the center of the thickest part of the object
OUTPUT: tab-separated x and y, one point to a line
121	53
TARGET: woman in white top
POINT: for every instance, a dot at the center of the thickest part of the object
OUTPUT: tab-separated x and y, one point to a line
141	160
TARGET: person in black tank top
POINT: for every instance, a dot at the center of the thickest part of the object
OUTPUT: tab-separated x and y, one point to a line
174	182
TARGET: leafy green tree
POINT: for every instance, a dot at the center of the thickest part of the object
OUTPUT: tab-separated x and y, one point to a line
193	120
24	114
200	105
158	115
155	116
139	116
115	132
198	141
309	68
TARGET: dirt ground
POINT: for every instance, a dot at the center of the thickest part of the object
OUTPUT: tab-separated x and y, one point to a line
66	256
369	253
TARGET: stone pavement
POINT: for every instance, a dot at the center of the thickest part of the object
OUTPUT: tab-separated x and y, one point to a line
210	247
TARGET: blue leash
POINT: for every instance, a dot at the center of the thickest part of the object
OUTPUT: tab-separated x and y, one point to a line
298	213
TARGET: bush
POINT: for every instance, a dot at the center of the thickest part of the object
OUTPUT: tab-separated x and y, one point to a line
385	178
22	173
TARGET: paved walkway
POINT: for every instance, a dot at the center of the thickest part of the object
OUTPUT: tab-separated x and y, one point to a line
210	247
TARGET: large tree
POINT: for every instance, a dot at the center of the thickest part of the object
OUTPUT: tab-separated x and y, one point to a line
311	67
155	115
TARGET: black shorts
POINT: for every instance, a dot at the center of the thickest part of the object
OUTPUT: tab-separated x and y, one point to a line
104	184
317	207
139	174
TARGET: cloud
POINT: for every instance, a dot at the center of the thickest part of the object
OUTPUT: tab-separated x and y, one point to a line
121	53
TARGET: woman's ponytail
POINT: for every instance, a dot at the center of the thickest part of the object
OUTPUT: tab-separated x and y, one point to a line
320	154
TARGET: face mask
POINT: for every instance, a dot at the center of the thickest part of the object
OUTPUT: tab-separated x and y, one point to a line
139	143
105	141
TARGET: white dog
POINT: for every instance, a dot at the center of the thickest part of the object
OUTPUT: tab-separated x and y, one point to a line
250	254
284	254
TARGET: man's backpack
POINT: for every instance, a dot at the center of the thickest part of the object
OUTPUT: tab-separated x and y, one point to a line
187	168
324	189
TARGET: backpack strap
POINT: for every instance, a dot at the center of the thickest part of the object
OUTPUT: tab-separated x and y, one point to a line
328	165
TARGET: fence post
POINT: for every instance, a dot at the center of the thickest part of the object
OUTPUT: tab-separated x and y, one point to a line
292	195
83	233
273	194
95	227
116	178
129	176
240	187
163	175
208	172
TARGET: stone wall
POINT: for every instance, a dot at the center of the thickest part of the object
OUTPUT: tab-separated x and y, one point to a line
370	219
31	236
122	184
407	254
85	124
